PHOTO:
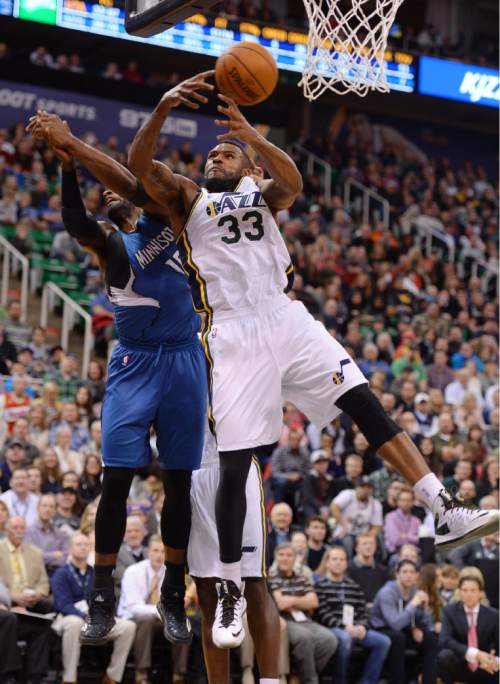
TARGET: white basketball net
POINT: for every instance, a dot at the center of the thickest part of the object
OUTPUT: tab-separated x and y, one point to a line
346	45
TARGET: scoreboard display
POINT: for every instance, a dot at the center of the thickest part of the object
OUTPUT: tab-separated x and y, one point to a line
199	34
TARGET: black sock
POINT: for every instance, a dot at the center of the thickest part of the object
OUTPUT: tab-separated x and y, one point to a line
174	575
103	576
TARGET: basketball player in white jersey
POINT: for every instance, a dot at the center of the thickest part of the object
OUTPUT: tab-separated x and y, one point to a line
261	346
203	562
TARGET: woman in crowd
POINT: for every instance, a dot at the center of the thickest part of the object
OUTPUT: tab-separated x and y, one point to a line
50	402
488	482
39	435
68	459
96	380
90	480
85	405
429	580
48	464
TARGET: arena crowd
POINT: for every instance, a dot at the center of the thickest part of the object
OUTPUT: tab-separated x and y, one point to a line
344	530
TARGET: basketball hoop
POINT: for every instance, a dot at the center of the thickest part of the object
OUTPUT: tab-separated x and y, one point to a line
346	45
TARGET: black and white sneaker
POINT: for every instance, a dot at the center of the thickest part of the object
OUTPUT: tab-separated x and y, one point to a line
457	523
176	624
228	630
100	619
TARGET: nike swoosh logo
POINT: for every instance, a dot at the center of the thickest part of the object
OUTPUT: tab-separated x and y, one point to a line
237	633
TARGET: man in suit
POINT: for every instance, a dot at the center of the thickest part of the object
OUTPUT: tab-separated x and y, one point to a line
36	632
483	554
469	637
281	517
22	569
132	549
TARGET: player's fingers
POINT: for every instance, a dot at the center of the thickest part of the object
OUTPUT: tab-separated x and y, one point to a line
199	97
204	74
222	122
225	136
188	103
228	100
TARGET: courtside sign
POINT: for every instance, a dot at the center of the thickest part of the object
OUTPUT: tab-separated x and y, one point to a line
455	81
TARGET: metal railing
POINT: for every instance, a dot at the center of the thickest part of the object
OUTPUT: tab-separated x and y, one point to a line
71	310
312	163
368	198
431	229
471	264
12	261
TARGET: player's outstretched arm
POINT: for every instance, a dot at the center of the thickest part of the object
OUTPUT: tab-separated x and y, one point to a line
106	170
286	182
159	181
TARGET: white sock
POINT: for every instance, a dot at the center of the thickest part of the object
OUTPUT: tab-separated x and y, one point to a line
269	681
231	571
428	488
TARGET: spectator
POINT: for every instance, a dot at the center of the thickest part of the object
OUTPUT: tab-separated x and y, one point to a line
36	634
70	418
401	527
15	457
439	374
21	435
66	378
95	380
90	481
455	392
67	458
95	444
290	464
17	332
22	569
40	57
467	491
140	592
37	344
449	583
281	526
342	608
112	71
469	637
316	531
311	644
390	504
353	470
446	435
462	471
484	555
427	421
15	404
19	500
133	549
429	580
71	586
400	611
85	406
364	569
298	540
488	482
38	433
382	479
48	464
356	512
317	487
52	541
66	516
34	481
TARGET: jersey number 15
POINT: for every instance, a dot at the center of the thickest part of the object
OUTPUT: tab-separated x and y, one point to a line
255	232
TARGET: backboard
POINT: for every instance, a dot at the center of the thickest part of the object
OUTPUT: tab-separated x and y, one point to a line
148	17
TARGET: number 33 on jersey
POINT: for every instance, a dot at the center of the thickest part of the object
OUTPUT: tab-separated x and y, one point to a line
233	250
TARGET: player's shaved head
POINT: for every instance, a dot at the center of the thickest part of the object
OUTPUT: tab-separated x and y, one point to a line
225	165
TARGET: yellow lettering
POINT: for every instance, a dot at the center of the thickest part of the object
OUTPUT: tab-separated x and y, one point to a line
252	29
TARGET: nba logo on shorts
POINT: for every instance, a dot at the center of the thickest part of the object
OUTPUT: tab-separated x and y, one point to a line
125	360
213	332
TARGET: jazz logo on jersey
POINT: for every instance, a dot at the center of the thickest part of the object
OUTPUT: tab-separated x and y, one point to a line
338	378
230	201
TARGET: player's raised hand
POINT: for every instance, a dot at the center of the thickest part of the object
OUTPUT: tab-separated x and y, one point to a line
187	93
236	123
51	127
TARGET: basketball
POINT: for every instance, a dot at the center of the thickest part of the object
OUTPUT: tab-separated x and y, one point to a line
247	73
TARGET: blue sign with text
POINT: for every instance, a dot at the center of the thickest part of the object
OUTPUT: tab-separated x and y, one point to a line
454	81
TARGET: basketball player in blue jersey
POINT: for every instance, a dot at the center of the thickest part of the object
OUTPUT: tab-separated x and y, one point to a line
157	375
261	346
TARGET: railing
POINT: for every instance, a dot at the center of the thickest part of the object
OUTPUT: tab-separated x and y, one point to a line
430	229
12	260
312	162
368	197
71	309
472	265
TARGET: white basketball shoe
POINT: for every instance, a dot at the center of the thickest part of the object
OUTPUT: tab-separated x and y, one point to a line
457	523
228	630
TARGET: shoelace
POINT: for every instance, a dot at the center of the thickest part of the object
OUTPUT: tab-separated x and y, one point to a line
455	504
228	603
174	602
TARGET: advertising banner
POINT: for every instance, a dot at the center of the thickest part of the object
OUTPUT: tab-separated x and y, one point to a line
103	117
455	81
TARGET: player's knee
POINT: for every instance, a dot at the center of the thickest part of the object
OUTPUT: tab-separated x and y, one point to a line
367	412
234	467
116	484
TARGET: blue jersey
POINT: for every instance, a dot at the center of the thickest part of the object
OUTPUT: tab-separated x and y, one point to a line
155	305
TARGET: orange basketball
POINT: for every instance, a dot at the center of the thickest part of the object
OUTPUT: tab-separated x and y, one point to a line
246	72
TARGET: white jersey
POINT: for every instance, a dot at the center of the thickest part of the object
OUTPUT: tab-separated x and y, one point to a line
234	252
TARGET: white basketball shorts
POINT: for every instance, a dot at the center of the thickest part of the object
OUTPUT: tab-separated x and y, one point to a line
260	359
203	549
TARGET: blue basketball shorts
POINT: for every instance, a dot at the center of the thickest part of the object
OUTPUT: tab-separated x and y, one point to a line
164	387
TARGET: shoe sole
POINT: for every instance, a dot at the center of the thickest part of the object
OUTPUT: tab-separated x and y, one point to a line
241	636
168	636
490	527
